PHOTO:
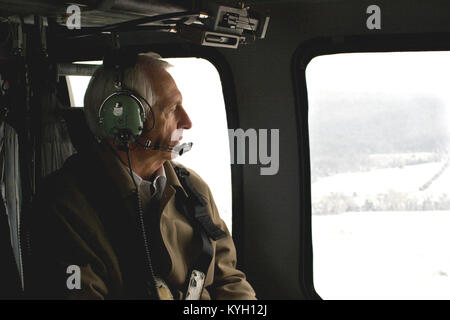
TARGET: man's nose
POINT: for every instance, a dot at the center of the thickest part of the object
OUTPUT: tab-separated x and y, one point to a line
185	121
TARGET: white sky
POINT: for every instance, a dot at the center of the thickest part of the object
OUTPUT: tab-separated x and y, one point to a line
394	73
402	71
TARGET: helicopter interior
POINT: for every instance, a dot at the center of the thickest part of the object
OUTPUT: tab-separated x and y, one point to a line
262	52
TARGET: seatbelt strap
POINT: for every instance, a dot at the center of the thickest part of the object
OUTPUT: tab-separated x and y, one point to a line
199	211
196	212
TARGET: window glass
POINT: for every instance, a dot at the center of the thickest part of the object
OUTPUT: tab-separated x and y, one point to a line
379	139
77	86
199	83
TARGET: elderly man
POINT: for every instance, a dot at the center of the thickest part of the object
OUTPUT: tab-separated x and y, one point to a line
120	219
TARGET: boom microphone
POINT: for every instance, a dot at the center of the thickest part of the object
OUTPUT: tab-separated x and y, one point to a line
180	150
183	148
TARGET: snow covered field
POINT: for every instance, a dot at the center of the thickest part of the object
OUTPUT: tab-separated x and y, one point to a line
383	254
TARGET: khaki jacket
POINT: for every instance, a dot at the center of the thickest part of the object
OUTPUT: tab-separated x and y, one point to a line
86	215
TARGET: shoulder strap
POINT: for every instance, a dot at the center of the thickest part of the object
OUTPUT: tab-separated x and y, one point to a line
195	210
198	207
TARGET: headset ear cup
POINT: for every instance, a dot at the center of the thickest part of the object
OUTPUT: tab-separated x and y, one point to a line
122	116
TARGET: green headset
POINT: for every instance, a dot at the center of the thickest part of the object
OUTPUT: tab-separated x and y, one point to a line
122	114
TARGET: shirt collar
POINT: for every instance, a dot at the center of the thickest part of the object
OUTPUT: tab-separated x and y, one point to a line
158	182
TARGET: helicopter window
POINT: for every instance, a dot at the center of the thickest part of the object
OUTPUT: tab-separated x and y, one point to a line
199	83
380	174
77	85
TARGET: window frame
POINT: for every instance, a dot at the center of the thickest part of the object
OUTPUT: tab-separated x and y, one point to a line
304	53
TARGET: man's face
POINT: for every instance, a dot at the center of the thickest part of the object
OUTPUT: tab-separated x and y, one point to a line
170	117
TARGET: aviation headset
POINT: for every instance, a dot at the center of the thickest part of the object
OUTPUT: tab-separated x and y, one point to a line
122	114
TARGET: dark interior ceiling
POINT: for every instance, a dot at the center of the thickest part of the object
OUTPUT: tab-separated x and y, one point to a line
94	12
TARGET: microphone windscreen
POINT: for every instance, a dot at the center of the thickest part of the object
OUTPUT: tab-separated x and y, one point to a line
185	147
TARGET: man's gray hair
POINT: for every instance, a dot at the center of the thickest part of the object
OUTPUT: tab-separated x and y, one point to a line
134	78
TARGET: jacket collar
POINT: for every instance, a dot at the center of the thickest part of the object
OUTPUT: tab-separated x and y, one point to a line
173	185
172	177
